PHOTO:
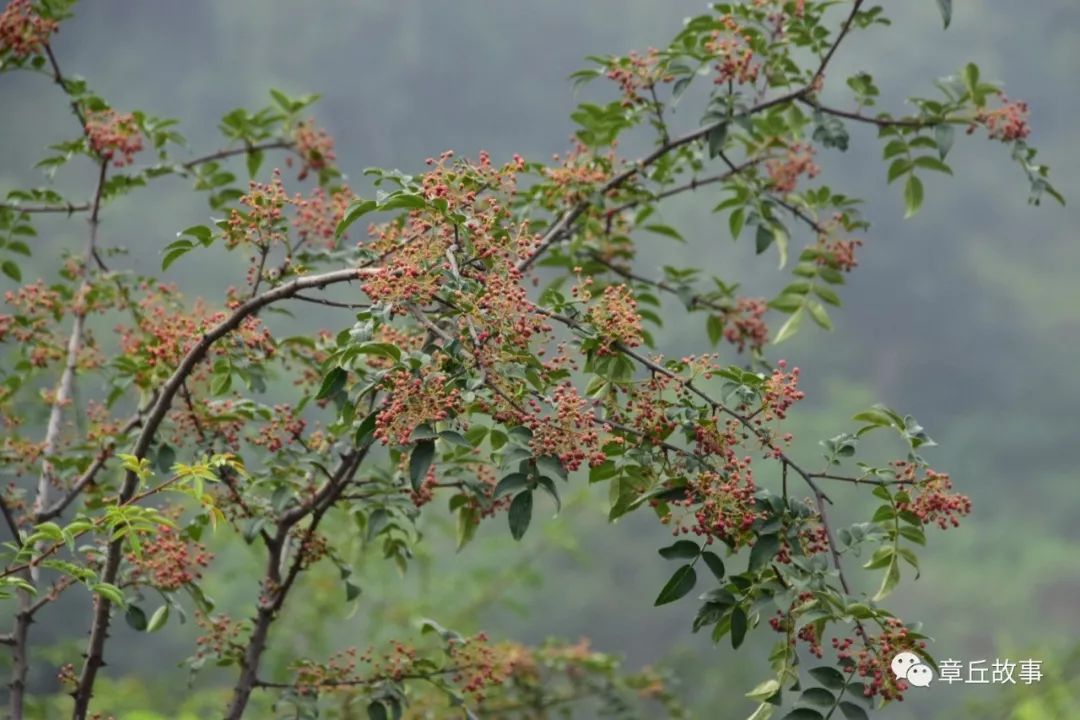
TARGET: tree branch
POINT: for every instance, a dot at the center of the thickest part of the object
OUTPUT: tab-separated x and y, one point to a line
276	587
100	623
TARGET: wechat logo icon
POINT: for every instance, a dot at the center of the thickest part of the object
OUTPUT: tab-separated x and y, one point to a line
908	666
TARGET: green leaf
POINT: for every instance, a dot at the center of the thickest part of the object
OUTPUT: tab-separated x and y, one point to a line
764	690
803	714
763	238
158	619
738	627
420	461
790	327
403	201
332	383
716	137
932	163
681	550
764	711
763	551
376	711
549	486
945	6
135	617
386	350
254	162
821	317
944	133
178	250
520	514
202	233
352	591
852	711
890	581
874	417
677	586
512	483
781	236
817	696
716	565
898	168
913	196
109	592
827	295
666	231
714	326
355	213
736	221
830	677
12	270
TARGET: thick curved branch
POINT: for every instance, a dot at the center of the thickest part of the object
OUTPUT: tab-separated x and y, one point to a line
156	415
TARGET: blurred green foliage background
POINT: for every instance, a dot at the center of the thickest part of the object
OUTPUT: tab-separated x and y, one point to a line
968	316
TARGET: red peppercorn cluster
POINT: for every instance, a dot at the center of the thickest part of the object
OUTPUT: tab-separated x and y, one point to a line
934	502
576	176
393	664
734	56
38	308
262	224
873	659
314	146
337	673
637	73
412	400
615	317
784	173
502	315
166	332
480	665
318	215
427	248
646	406
780	392
744	324
1007	123
284	427
839	254
569	434
22	31
168	562
114	136
223	638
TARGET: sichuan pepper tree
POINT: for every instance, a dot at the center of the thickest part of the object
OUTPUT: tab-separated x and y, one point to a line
495	345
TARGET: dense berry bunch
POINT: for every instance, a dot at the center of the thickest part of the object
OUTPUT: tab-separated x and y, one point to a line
781	392
784	172
744	324
427	396
934	502
872	661
735	62
636	73
1007	123
283	428
263	222
839	253
314	146
615	317
165	333
480	664
22	31
570	433
168	562
114	136
222	639
318	215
